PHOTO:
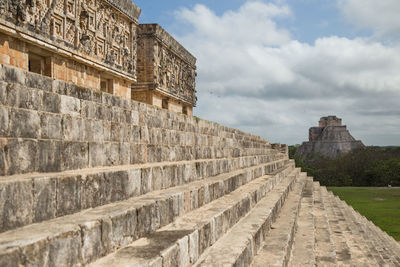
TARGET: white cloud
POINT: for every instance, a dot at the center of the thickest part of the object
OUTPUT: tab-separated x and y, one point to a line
382	16
253	76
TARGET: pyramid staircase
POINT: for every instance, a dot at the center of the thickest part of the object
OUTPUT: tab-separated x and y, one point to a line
89	179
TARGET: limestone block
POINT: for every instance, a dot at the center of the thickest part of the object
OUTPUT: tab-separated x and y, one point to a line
134	117
15	204
91	241
124	153
148	218
70	105
38	81
24	123
51	102
23	156
106	99
165	207
3	157
72	128
81	93
95	132
123	227
169	177
44	198
107	130
171	256
146	180
95	190
97	96
10	257
51	126
153	153
65	250
103	112
49	156
117	114
116	132
204	237
3	92
20	96
123	184
4	121
157	178
59	87
89	110
69	191
14	75
144	135
74	155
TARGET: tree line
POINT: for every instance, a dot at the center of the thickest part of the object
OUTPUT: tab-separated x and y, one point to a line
369	166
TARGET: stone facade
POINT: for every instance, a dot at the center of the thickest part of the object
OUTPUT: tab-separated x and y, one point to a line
166	71
331	139
94	44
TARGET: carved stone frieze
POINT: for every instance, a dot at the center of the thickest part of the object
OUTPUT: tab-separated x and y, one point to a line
173	67
95	28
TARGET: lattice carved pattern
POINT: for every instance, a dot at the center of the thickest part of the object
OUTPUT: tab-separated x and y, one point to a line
92	27
175	75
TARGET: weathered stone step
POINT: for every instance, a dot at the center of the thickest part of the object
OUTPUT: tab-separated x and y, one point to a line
356	251
383	253
303	250
90	234
325	254
339	239
181	243
34	198
240	244
356	233
276	243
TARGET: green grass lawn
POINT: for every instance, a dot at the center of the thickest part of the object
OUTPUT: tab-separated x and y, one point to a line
381	205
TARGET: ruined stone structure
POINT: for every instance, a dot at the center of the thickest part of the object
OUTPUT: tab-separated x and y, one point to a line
90	178
331	140
98	44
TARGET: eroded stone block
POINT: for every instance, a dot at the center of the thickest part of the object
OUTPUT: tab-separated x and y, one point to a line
70	105
49	156
51	126
65	250
74	155
91	241
44	198
51	102
124	226
15	204
38	81
24	123
4	121
69	195
22	155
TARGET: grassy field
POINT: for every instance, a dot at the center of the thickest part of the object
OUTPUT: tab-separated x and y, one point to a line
380	205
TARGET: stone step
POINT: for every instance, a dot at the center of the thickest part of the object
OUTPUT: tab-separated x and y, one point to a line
340	242
277	242
325	254
182	242
383	253
85	236
32	198
303	250
240	244
356	250
358	236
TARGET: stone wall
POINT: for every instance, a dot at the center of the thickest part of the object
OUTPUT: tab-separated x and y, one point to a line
48	125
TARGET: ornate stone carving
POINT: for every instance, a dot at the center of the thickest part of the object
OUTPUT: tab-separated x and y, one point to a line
94	28
175	75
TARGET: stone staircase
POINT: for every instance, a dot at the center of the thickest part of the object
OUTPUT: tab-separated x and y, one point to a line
89	179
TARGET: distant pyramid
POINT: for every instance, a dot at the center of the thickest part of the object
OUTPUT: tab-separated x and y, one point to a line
331	139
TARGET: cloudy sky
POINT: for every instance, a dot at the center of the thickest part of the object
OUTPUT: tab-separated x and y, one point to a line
275	67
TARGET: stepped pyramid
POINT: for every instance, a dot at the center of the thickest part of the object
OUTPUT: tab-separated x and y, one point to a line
102	164
177	191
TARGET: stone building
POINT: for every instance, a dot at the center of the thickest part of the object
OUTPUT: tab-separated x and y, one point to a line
99	45
330	139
